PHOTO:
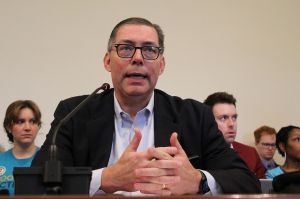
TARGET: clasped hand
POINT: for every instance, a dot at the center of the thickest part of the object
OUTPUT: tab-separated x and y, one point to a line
161	171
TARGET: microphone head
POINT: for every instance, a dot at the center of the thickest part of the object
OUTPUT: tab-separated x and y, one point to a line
105	86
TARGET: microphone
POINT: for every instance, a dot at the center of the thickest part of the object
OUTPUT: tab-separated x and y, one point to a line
53	167
53	152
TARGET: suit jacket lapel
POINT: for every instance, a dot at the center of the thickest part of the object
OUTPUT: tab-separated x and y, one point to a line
165	120
100	130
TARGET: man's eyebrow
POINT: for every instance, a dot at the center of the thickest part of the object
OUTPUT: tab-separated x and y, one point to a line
222	115
225	115
126	42
149	43
146	43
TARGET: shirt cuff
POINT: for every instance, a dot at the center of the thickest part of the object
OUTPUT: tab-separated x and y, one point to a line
214	187
96	182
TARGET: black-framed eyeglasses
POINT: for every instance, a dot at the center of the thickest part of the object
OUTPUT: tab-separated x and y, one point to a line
268	145
148	52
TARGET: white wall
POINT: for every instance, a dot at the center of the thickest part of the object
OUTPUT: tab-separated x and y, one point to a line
53	49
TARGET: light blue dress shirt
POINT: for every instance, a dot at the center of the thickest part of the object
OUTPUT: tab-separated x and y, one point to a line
272	173
124	132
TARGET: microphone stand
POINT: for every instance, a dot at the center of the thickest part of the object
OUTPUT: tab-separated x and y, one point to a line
53	167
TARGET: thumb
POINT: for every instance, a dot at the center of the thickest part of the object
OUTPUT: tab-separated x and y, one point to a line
174	142
134	143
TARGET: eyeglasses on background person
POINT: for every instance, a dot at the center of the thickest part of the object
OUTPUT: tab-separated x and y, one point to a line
268	145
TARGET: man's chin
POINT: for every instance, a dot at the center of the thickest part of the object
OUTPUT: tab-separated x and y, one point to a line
230	140
137	91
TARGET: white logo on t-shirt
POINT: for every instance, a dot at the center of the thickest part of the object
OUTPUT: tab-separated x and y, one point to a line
2	170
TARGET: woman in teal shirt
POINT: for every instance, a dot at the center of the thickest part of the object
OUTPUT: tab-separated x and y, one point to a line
21	123
288	145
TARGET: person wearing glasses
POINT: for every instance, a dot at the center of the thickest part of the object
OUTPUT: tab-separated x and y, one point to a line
288	146
224	110
265	143
140	140
21	123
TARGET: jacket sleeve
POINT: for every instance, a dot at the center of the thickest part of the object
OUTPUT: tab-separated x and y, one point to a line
260	169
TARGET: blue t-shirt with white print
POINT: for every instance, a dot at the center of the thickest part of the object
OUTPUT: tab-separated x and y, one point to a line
7	163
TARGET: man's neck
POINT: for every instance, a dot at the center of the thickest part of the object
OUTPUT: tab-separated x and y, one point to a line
133	104
268	163
268	160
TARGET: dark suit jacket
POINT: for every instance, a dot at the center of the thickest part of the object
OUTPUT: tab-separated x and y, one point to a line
251	158
87	138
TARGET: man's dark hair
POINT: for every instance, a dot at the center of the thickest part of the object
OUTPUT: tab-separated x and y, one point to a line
219	97
136	21
283	136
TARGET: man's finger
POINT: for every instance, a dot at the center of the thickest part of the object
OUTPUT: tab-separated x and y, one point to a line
161	192
174	142
152	188
162	153
165	164
171	150
134	143
154	172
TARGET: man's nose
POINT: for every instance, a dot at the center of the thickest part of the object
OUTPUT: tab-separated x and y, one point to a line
231	121
138	57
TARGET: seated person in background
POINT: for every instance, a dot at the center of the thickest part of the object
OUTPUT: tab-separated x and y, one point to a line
224	110
21	123
288	145
265	142
138	139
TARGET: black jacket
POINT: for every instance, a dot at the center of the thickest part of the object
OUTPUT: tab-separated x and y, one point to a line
86	139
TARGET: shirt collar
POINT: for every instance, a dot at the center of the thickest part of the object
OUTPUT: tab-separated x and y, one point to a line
119	111
269	164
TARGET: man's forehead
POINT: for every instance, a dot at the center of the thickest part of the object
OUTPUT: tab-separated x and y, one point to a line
265	136
224	108
137	33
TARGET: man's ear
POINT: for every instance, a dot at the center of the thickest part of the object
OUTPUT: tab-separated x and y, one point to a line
162	65
106	62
